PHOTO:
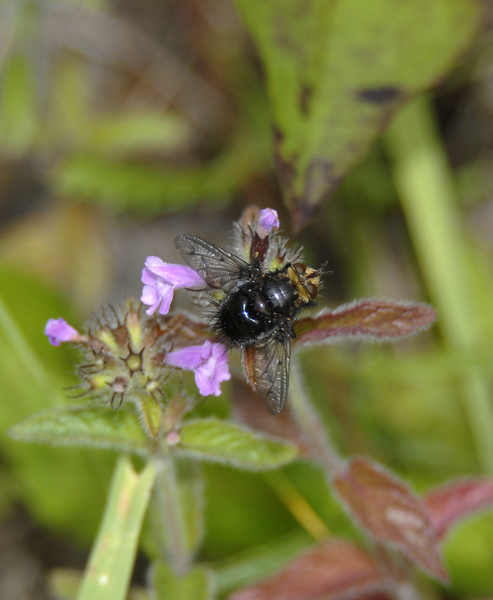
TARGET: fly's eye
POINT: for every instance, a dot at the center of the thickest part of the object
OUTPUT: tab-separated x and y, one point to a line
312	289
299	268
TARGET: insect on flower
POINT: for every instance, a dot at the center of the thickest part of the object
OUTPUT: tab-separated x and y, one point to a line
258	309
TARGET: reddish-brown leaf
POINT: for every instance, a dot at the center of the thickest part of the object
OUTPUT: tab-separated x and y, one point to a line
390	512
374	319
450	503
335	568
379	596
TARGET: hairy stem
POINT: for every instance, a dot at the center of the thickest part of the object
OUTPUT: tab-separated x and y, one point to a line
167	509
314	432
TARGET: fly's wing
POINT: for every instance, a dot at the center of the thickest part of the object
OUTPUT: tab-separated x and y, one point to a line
217	267
271	369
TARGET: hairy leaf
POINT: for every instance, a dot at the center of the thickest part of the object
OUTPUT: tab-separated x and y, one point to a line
332	569
215	440
390	512
455	501
84	426
150	414
366	319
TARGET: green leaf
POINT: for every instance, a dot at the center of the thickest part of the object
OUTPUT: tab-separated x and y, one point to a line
151	188
221	441
32	373
112	557
150	414
84	426
194	585
17	106
142	131
143	187
337	70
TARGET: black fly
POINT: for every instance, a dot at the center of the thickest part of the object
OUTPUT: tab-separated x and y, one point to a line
257	311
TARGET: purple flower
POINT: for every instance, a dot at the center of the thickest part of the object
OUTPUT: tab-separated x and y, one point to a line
209	363
268	221
58	331
160	279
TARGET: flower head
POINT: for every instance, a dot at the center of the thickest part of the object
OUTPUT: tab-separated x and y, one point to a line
58	331
209	362
122	358
160	279
268	222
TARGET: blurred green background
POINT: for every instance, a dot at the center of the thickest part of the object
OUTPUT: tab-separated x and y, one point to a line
125	123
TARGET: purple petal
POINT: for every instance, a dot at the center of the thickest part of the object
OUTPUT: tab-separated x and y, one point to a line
160	279
209	363
179	276
187	358
58	331
209	376
268	222
157	295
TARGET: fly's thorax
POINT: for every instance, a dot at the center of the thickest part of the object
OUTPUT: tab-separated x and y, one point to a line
279	294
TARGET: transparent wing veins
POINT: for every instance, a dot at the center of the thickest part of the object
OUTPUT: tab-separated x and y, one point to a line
271	369
218	268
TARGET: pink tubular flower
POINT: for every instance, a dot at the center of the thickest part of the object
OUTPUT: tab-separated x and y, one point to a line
209	362
58	331
160	279
268	222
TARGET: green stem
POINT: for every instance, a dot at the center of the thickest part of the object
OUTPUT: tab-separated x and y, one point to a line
314	433
109	569
425	185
